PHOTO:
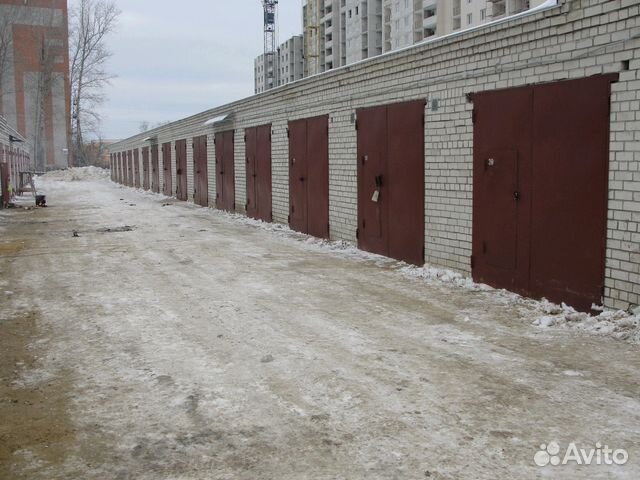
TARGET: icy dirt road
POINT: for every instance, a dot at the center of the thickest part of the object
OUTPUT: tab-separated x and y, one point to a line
194	345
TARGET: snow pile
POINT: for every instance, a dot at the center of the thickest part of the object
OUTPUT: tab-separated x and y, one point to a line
76	174
618	324
442	275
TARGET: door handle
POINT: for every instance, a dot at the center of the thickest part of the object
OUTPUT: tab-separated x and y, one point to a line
516	196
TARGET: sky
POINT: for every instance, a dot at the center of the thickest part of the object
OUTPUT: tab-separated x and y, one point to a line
175	59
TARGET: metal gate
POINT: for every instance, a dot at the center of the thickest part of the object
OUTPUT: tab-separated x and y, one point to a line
155	169
540	189
225	171
181	169
391	181
166	169
200	171
258	150
309	176
145	168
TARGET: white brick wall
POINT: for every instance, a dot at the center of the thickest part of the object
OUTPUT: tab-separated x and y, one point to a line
576	39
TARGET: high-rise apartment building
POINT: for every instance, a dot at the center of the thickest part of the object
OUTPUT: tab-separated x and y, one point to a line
34	76
287	66
290	60
341	32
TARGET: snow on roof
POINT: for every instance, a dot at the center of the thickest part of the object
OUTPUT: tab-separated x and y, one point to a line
218	119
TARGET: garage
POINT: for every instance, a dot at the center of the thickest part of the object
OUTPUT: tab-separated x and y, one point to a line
391	180
200	171
540	180
181	169
258	151
155	169
309	176
166	169
225	171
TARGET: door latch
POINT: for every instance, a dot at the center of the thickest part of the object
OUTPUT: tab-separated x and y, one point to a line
378	181
516	196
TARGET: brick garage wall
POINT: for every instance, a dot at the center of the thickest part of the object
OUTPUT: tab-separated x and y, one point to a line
578	38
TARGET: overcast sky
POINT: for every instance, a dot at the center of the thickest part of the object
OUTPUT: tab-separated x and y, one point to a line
174	59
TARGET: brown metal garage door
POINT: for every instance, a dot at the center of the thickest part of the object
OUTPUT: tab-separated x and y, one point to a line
120	175
123	173
225	171
130	167
136	168
258	149
155	169
200	171
166	169
391	181
145	168
540	189
309	176
181	169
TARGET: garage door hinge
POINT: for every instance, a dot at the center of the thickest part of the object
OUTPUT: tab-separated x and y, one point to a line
473	261
288	133
424	119
473	116
357	233
356	125
245	139
288	218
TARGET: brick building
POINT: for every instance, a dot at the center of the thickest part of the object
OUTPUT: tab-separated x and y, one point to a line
34	78
509	153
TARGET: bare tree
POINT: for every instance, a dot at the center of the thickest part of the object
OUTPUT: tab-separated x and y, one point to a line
90	23
145	125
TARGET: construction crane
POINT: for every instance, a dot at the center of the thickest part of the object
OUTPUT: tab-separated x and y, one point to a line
270	42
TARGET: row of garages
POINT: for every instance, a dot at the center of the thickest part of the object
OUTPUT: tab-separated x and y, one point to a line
540	182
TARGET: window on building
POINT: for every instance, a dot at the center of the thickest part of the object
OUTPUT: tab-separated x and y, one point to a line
469	18
483	14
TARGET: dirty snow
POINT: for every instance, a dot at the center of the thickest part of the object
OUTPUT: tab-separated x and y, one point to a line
203	345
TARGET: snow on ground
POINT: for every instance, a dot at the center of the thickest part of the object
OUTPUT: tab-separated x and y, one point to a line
76	174
195	344
618	324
